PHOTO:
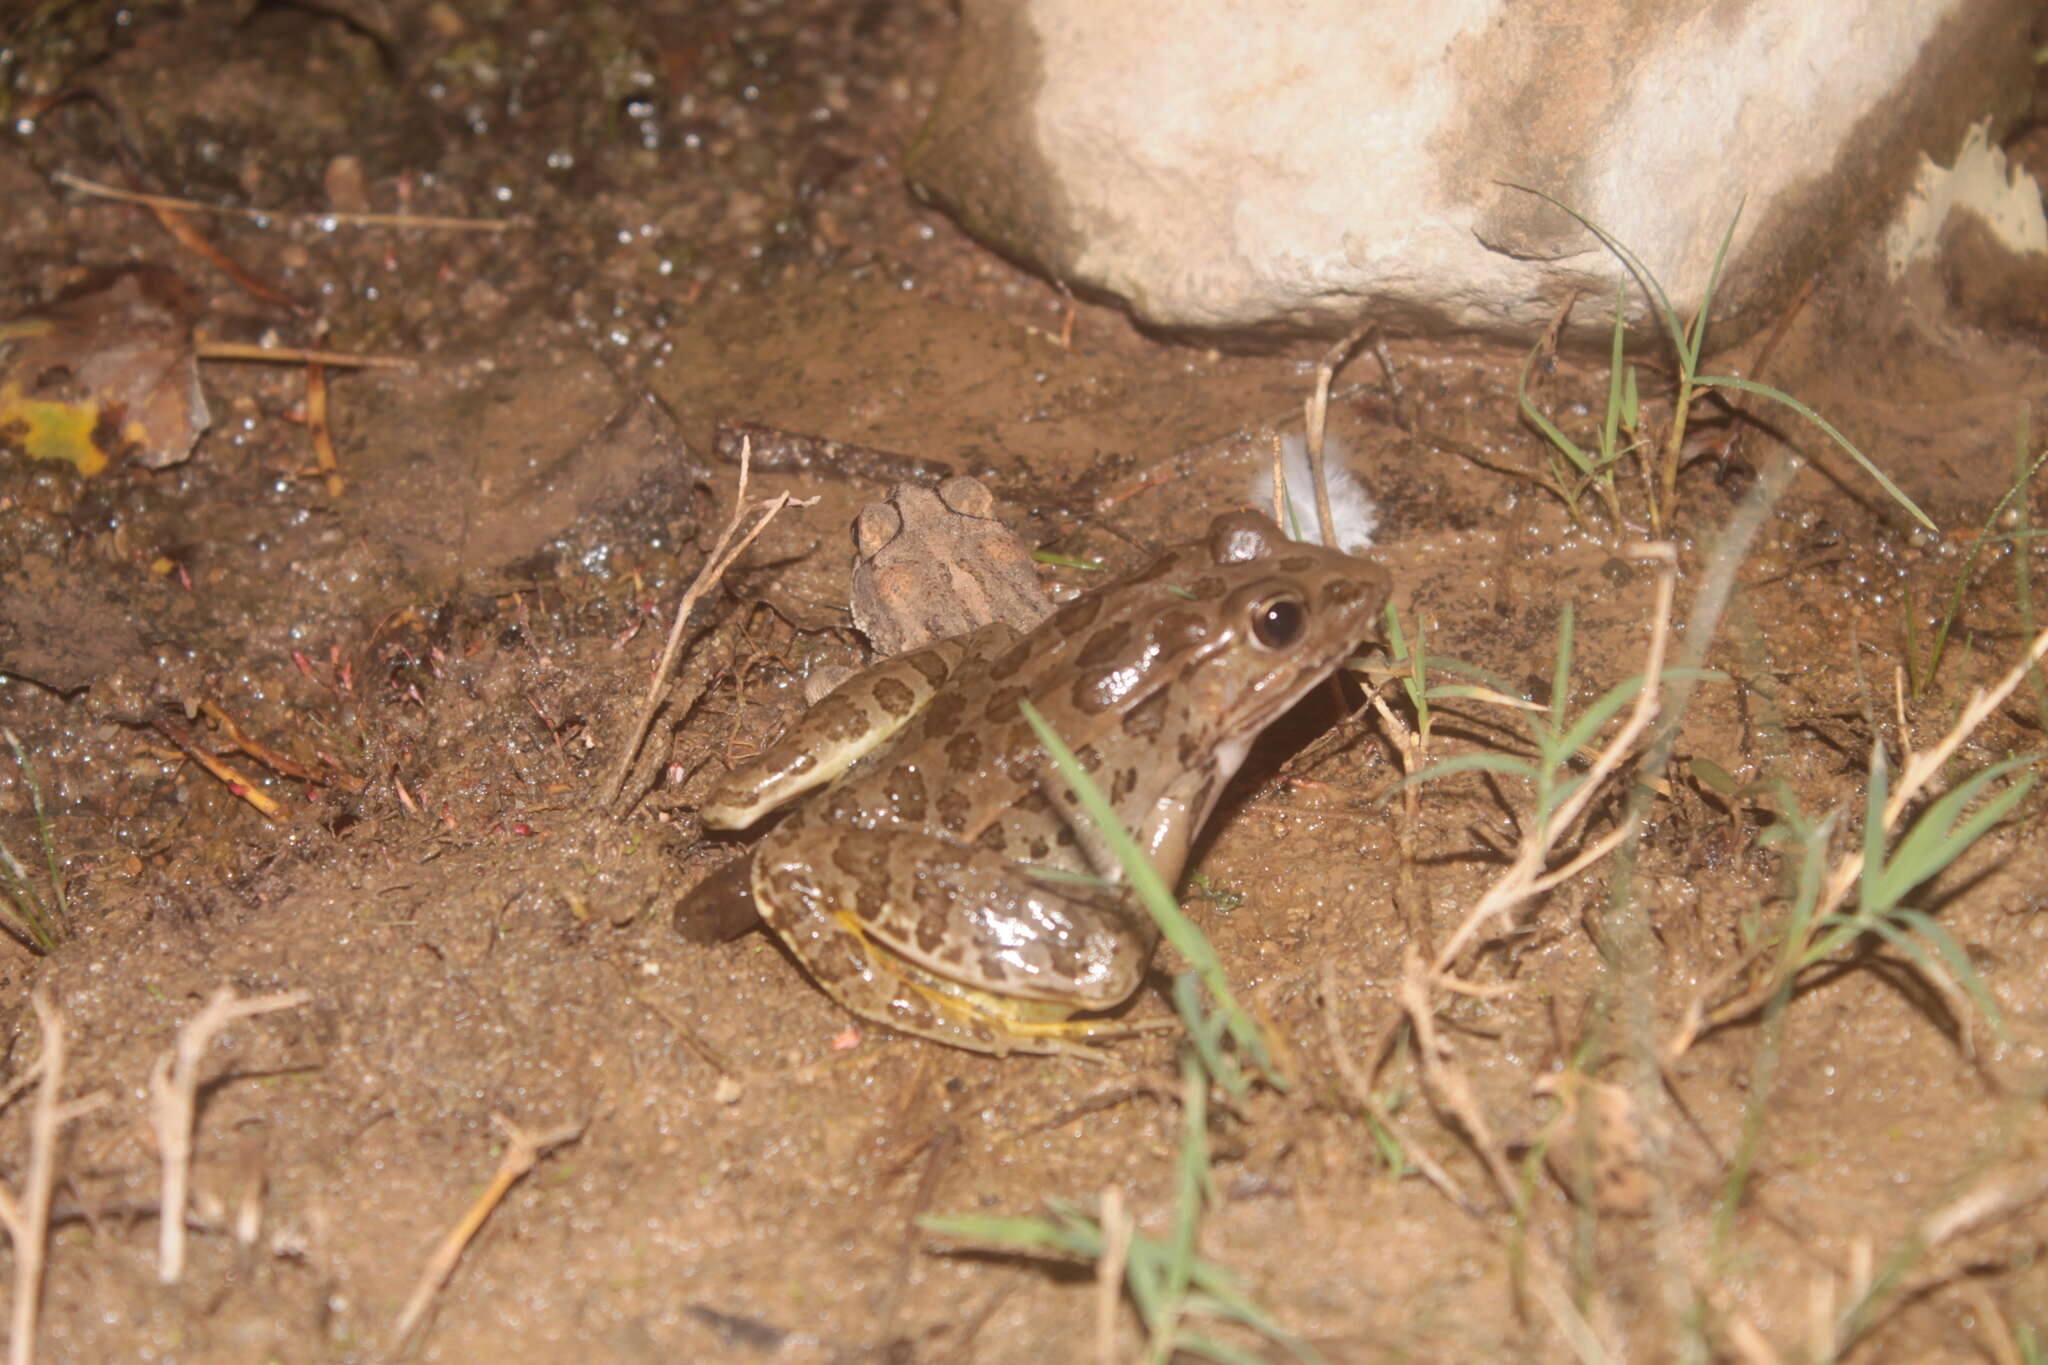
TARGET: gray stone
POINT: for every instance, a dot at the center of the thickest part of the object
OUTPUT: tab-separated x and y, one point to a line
1235	168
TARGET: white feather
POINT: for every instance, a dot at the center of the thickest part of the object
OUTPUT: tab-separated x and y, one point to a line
1351	507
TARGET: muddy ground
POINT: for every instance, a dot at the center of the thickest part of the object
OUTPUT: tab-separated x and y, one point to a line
709	224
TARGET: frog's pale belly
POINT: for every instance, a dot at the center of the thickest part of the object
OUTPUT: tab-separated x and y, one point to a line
946	882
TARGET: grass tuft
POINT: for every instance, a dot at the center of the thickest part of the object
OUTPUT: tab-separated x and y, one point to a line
1573	470
37	916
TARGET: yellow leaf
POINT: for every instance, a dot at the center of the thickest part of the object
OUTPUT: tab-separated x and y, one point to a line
47	430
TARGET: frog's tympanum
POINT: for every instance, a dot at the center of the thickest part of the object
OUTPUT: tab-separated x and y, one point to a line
945	882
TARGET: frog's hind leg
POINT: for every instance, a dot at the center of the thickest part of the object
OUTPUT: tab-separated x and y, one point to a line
951	941
850	721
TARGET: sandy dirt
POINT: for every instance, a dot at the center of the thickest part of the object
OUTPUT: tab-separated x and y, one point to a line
710	225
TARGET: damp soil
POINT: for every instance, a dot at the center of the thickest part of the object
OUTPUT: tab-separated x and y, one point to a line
435	667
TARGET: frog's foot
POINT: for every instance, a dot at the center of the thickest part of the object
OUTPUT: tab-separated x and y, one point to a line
982	1021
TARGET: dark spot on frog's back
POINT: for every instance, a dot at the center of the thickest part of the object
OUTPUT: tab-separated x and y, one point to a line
931	665
1013	660
1207	588
944	714
857	859
963	752
894	697
1002	705
1145	720
950	806
1078	614
1102	689
840	719
1105	646
904	788
1295	564
1179	630
1339	592
930	929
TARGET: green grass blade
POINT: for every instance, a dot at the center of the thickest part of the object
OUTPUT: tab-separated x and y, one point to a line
1696	335
1984	537
1467	763
1211	1349
2022	563
1595	717
1157	898
1551	432
1780	396
1629	259
1960	967
1877	792
1941	834
1026	1232
1612	426
1560	683
1484	677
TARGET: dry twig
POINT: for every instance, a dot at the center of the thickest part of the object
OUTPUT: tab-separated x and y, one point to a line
220	768
299	355
403	220
1109	1271
1359	1087
523	1152
1317	409
1525	878
173	1086
316	426
28	1221
723	553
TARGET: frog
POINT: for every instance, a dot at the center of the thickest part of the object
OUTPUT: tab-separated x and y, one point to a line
942	878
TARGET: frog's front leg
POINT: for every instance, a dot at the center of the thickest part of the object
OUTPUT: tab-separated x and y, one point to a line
848	722
947	940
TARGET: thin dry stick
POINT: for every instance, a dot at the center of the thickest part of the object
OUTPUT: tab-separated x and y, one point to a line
1359	1088
723	553
28	1223
1409	744
1451	1087
1279	483
1525	878
299	355
1109	1272
173	1086
223	771
406	220
316	427
1920	769
521	1155
1318	414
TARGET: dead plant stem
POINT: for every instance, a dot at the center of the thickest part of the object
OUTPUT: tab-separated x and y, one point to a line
173	1088
724	552
522	1153
1525	878
28	1221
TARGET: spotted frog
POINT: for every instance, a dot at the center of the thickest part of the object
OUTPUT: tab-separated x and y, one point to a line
945	882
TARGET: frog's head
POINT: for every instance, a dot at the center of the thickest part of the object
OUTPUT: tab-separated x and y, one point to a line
1213	641
1279	616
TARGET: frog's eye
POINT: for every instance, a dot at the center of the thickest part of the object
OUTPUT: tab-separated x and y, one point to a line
1278	622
